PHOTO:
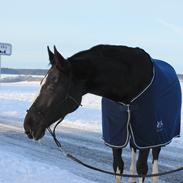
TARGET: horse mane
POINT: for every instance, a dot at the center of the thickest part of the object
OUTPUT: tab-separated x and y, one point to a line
115	52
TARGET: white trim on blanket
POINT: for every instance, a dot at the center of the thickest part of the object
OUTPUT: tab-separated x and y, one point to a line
127	128
143	89
146	86
153	146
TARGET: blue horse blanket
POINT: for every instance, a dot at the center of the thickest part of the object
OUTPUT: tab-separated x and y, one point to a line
151	119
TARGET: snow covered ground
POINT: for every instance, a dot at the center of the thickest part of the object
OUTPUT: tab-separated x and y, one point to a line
17	168
25	161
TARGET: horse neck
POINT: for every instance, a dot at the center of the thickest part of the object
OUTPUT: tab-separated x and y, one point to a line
120	81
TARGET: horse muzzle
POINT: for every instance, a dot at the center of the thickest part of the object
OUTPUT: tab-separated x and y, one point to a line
33	129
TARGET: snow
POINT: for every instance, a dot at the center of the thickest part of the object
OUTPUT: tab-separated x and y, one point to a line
18	167
13	165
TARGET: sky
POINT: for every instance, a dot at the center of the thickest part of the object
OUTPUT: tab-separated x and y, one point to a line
73	26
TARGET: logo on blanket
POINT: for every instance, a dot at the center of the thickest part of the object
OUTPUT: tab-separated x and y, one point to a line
159	126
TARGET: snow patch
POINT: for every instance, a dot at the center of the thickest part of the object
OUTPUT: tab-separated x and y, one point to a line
17	169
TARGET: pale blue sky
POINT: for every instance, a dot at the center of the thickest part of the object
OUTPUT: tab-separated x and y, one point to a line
75	25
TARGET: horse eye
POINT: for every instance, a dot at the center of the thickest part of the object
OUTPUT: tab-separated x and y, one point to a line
50	88
55	79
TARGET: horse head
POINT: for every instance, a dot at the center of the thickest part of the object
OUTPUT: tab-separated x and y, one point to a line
59	95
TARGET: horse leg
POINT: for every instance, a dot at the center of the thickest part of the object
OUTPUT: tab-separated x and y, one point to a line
142	166
132	166
155	154
118	163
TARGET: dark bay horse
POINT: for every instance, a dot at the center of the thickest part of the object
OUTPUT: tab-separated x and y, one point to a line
118	73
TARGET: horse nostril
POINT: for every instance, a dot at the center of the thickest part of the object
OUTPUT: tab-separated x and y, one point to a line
29	133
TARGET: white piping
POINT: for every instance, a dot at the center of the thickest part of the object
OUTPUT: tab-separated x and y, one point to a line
129	112
139	147
128	134
145	87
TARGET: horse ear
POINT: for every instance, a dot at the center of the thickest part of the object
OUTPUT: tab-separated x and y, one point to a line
59	60
51	56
